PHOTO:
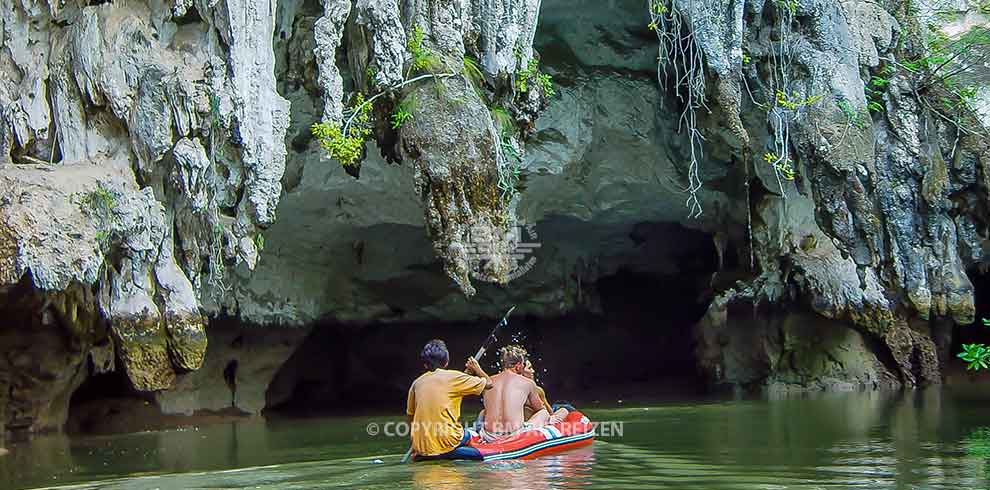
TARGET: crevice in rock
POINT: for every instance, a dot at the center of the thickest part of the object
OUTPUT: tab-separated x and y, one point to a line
230	377
975	332
191	16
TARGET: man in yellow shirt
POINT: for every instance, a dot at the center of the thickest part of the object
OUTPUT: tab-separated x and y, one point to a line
434	405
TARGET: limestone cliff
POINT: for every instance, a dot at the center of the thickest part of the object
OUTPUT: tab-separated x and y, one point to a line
158	169
143	150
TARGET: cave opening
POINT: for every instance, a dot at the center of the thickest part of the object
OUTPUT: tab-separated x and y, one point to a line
106	397
973	333
636	343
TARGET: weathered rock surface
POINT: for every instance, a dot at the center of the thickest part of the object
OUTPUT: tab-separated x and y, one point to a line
883	251
170	130
165	158
239	367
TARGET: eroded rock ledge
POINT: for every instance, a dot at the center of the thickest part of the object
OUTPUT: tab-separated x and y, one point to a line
143	153
146	146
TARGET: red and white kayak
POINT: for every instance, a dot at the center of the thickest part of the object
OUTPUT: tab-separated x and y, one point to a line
574	431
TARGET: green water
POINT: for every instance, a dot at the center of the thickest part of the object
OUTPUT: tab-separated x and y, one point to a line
919	440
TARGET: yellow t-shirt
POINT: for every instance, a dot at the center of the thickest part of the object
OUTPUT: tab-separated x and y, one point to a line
435	406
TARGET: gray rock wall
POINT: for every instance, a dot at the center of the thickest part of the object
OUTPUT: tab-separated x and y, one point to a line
146	146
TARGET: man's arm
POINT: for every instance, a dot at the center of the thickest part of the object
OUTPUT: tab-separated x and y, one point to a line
543	398
473	366
411	404
533	399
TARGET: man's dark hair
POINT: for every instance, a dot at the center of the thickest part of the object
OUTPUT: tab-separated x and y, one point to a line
435	354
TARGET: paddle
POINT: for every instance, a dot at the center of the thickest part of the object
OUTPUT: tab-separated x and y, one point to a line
487	344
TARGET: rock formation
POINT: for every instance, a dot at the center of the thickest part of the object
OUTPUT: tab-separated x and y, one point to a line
157	169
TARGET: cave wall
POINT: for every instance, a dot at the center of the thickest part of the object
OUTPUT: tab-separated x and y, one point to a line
158	169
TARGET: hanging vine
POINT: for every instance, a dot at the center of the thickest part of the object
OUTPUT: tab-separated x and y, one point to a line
680	62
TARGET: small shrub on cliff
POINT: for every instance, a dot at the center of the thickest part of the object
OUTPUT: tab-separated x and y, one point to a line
977	356
853	117
795	101
939	75
346	148
423	58
403	111
781	165
472	70
504	122
532	74
100	204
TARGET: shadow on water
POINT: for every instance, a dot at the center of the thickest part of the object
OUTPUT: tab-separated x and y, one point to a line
853	440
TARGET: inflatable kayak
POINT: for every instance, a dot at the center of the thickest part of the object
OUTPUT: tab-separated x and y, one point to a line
574	431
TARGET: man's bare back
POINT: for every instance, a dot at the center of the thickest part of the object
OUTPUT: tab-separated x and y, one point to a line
504	402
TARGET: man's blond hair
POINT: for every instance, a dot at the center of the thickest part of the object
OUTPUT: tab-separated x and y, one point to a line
512	355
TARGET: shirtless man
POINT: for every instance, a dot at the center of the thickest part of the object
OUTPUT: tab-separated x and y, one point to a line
510	392
530	410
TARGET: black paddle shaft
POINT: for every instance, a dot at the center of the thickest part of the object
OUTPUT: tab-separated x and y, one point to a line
491	337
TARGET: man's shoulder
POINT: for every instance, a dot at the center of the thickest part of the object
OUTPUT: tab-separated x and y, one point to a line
514	378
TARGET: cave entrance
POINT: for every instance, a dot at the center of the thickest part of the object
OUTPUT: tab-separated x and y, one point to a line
636	343
973	333
106	403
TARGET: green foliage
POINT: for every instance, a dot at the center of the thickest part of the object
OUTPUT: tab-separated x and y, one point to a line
795	101
472	70
782	165
879	82
977	443
524	75
976	356
874	90
546	83
788	5
532	73
347	149
510	172
423	58
102	200
259	242
658	7
746	59
101	204
504	122
853	117
403	111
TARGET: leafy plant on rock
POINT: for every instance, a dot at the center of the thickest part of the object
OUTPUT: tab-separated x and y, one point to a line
101	204
472	70
853	118
976	356
403	111
346	144
423	58
345	141
783	166
531	74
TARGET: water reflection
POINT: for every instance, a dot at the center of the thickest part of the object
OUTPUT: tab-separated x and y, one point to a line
867	440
